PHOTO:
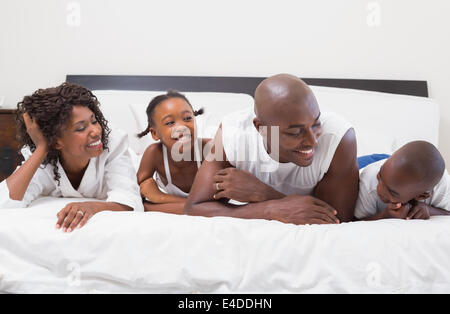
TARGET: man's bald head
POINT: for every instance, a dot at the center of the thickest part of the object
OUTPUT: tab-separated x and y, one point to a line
420	161
280	93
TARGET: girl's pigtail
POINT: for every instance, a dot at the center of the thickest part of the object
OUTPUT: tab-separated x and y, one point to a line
144	133
198	112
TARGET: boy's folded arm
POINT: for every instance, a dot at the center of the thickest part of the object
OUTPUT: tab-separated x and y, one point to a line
435	211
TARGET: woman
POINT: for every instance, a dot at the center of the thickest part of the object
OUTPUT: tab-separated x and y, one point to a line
70	152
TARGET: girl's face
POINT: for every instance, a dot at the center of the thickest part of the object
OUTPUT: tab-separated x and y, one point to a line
81	137
174	123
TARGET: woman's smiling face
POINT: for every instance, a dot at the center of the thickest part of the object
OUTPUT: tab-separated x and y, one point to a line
81	137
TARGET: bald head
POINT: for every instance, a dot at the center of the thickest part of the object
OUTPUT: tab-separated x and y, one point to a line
420	161
279	93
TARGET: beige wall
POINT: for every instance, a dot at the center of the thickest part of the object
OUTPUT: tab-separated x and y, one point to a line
41	41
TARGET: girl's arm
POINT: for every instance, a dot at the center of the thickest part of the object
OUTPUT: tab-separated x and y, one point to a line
148	186
149	160
170	208
150	190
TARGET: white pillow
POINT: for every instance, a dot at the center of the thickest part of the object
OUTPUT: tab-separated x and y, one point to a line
127	110
383	122
115	107
215	105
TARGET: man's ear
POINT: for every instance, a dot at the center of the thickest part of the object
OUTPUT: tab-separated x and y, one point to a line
154	134
257	124
423	196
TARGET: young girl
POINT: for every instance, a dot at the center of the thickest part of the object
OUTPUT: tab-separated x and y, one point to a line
175	159
70	152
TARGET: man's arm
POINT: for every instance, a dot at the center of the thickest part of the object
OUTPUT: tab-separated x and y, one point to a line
339	186
202	189
292	209
242	186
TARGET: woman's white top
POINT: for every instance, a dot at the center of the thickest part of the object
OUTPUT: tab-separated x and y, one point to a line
110	177
171	188
245	150
369	203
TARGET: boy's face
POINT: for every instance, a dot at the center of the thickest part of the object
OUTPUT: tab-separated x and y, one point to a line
396	186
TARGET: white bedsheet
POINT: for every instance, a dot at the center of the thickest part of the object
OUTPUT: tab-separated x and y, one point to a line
163	253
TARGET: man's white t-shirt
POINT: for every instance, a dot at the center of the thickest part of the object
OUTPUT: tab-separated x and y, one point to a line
245	150
369	203
110	177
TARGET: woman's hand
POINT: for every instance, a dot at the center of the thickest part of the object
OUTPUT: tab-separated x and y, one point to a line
35	132
75	214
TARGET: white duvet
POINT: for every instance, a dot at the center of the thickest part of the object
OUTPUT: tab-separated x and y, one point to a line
161	253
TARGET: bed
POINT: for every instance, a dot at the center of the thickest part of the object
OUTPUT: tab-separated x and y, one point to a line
163	253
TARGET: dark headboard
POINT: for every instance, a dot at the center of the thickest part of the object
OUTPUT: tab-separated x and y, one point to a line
245	85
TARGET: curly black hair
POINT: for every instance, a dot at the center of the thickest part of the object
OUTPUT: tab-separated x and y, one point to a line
159	99
52	109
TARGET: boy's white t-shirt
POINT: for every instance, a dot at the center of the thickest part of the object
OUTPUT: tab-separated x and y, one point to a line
110	177
369	203
245	150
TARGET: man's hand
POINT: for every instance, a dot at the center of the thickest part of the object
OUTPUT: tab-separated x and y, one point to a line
419	210
75	214
242	186
301	210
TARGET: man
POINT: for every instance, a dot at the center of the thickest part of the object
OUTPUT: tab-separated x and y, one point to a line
292	162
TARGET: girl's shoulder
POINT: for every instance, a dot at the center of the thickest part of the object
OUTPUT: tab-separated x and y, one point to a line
151	159
153	153
154	150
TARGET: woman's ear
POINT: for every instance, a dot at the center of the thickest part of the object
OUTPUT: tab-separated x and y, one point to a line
423	196
154	134
59	144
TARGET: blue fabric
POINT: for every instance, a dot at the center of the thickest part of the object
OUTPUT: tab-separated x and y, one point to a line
369	159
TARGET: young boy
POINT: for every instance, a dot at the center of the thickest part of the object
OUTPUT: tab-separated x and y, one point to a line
411	184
